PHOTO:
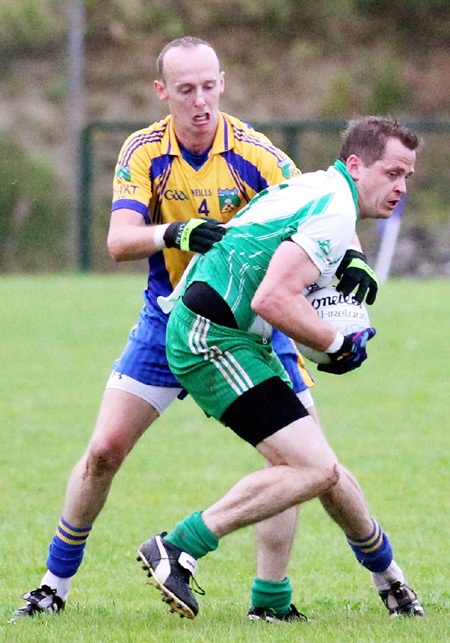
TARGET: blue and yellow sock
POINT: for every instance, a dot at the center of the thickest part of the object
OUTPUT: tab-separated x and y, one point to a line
66	549
273	596
193	536
375	551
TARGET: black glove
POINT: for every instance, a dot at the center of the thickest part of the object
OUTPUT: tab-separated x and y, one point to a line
351	354
354	271
196	235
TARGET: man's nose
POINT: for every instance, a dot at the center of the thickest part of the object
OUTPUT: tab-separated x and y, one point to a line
199	97
401	185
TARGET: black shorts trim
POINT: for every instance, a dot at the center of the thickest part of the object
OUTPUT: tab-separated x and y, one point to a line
263	410
203	300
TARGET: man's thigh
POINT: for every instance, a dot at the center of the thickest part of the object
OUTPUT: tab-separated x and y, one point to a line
122	419
263	410
300	444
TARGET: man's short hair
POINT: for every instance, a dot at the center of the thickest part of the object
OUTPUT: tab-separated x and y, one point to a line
367	136
186	41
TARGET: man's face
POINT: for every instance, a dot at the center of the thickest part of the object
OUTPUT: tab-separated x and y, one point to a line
192	85
381	185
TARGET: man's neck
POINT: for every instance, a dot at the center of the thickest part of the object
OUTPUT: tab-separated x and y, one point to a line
195	144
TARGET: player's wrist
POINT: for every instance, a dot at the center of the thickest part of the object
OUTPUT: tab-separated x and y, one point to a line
336	344
354	251
158	236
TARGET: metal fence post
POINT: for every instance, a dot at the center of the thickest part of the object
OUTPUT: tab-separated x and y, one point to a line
85	201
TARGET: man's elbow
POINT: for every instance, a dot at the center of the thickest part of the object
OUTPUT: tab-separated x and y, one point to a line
266	305
116	250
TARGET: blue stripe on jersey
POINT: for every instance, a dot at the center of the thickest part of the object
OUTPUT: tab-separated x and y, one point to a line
160	189
159	165
247	171
225	132
138	140
158	277
135	144
246	137
165	179
161	168
239	182
131	205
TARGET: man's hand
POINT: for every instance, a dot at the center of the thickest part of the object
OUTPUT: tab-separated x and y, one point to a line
354	271
351	354
196	235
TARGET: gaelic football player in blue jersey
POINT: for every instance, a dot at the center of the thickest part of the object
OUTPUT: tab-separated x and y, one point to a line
176	182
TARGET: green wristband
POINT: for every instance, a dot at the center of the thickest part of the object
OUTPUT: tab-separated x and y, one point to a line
362	265
188	228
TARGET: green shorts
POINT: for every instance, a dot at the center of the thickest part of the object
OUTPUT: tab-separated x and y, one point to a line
216	364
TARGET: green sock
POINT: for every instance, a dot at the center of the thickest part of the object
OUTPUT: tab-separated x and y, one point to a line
273	596
193	536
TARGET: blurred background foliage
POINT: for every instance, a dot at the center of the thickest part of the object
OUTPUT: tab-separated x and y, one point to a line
285	61
33	221
36	25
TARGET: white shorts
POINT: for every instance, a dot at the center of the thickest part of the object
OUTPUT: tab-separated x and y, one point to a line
306	398
160	397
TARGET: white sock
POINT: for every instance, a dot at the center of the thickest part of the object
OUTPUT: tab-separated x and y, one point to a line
61	585
384	580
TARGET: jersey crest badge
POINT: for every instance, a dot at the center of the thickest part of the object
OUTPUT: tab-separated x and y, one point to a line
287	167
325	246
123	172
228	200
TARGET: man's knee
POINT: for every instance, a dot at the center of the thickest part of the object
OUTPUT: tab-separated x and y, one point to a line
316	480
329	477
105	456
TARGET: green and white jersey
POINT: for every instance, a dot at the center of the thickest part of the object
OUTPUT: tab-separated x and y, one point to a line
316	210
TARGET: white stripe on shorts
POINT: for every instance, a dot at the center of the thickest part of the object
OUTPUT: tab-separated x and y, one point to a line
228	366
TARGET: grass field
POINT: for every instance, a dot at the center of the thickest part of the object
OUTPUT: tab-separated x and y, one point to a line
388	423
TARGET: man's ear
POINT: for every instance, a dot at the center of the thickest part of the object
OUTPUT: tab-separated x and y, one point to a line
353	164
160	90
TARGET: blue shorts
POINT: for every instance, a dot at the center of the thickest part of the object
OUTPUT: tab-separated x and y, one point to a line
144	356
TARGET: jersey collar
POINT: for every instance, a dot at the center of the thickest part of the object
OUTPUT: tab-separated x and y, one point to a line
223	140
169	143
342	169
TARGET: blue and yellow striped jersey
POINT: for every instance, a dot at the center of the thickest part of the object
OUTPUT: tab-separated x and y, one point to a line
153	178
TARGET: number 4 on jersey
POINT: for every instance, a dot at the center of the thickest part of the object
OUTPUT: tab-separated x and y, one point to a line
203	209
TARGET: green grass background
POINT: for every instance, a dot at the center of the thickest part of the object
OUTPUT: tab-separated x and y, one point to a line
387	422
